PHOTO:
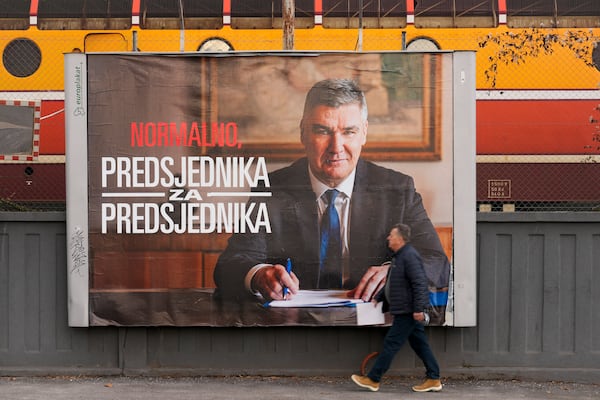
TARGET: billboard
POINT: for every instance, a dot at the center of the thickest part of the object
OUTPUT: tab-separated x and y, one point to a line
194	185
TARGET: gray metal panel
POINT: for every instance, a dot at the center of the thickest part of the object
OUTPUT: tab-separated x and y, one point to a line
4	300
34	335
537	281
536	295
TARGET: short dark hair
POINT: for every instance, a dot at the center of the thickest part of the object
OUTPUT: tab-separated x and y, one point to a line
336	93
403	230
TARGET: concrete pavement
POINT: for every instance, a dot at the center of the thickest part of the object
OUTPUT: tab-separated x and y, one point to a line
278	388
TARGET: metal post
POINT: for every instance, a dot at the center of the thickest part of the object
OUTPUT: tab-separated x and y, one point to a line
182	29
360	26
135	41
288	13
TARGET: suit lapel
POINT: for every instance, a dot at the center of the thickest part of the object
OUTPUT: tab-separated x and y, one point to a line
362	221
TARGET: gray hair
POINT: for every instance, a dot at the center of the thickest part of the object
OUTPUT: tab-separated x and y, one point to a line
403	230
336	93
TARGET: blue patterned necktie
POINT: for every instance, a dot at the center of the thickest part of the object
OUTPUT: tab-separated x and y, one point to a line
330	272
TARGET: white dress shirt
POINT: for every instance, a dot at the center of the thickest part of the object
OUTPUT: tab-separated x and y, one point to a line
342	205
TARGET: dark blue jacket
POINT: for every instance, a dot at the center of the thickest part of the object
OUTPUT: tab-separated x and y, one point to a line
408	288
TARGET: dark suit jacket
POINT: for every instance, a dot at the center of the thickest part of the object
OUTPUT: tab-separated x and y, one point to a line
381	198
407	284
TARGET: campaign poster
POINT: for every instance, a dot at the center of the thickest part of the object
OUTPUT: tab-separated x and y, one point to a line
194	185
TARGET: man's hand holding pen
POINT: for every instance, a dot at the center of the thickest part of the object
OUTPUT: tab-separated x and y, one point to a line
275	282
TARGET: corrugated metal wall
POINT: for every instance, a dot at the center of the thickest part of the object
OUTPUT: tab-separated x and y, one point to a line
539	280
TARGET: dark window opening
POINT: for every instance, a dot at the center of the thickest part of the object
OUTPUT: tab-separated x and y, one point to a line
553	13
84	9
166	14
568	8
455	8
551	8
14	14
371	8
528	8
14	9
191	9
269	9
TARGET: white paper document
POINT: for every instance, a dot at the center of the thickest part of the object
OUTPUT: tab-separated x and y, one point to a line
317	298
369	314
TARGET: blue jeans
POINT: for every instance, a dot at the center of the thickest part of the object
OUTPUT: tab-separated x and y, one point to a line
405	327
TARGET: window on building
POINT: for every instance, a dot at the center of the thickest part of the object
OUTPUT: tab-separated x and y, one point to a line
90	14
553	13
262	14
456	13
375	14
14	14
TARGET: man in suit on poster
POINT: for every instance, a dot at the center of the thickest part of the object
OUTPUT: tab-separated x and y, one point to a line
368	200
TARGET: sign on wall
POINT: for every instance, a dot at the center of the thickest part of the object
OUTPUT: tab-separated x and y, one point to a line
19	130
194	183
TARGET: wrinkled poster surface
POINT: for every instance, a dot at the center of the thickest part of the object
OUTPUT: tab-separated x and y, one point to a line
202	172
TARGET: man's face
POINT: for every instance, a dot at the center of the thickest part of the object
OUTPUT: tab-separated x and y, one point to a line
395	240
333	138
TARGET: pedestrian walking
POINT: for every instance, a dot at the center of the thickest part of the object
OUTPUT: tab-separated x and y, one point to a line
406	296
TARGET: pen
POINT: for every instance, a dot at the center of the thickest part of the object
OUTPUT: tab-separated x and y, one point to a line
288	268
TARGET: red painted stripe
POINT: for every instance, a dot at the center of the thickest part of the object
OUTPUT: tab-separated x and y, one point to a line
226	7
135	8
538	127
33	8
52	129
502	6
410	6
318	7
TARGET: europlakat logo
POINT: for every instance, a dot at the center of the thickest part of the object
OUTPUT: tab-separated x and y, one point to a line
79	110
